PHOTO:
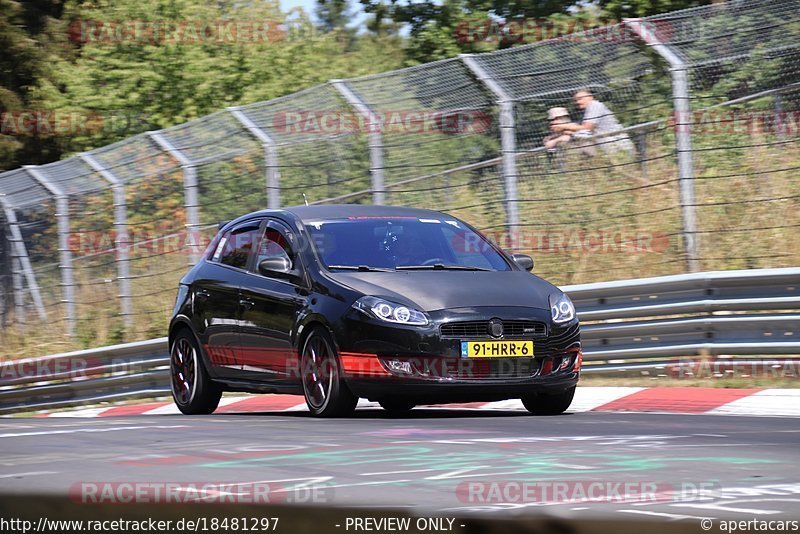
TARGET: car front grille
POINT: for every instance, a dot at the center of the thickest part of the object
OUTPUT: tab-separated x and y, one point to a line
480	329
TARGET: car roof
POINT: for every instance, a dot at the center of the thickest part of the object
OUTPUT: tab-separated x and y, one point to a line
341	211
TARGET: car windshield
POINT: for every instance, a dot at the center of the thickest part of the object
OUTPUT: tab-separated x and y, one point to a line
403	243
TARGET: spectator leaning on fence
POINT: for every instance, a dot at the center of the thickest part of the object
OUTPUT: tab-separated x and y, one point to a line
597	120
556	116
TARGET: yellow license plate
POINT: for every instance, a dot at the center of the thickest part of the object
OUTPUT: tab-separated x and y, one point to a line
497	349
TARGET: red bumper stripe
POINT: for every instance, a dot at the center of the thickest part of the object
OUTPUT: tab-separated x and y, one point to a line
360	364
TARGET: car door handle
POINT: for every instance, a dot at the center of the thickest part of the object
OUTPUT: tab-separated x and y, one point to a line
246	303
202	294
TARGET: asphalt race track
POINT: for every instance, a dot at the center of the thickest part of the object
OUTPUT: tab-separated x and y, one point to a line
433	460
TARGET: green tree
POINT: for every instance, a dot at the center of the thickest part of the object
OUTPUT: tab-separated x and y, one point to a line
156	84
619	9
30	43
440	29
333	14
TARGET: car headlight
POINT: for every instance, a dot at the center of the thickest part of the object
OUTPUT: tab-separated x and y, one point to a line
391	312
561	309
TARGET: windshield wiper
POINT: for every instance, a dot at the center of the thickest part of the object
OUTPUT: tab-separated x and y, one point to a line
440	267
360	268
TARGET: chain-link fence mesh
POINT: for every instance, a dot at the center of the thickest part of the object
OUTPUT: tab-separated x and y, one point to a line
747	193
745	148
736	49
432	117
591	208
472	136
321	148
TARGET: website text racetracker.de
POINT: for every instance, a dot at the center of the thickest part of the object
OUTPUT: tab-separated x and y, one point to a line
389	121
50	368
198	524
550	241
568	241
580	491
576	30
197	492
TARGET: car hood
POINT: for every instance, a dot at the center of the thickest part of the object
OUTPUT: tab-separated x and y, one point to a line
437	290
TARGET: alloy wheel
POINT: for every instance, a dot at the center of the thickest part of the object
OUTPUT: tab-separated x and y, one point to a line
184	370
317	371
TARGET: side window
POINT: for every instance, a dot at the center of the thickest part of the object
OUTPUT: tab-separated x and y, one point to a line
219	248
235	246
274	244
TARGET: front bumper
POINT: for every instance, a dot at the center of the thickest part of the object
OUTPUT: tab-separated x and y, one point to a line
425	392
381	360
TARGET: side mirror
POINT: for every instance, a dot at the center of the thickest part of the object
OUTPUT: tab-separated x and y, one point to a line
275	266
524	261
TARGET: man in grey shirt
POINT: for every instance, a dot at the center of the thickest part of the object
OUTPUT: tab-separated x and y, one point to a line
597	120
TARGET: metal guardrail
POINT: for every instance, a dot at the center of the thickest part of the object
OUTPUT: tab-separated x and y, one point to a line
627	324
754	312
106	374
765	367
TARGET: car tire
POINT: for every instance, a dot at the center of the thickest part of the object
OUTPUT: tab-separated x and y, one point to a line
396	406
324	389
192	389
549	403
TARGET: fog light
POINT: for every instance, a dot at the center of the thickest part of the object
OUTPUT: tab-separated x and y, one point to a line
565	362
399	367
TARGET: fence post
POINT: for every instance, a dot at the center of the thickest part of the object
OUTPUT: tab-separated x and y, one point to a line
6	271
777	124
9	268
270	156
375	139
508	137
23	267
62	217
122	241
683	137
19	292
641	145
191	204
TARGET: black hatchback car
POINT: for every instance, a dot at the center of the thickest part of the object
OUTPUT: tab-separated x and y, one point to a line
397	305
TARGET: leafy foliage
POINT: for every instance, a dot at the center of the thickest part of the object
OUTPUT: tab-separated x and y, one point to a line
84	57
30	42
